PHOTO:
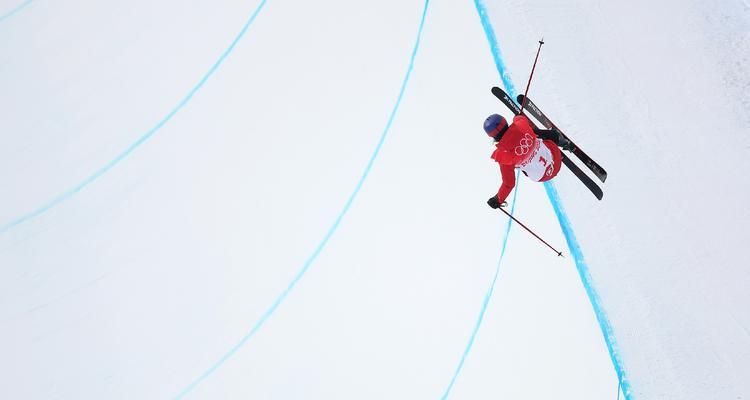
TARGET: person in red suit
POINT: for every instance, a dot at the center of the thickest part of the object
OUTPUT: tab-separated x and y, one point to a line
522	145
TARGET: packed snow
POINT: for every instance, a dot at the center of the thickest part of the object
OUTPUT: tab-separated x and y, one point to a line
182	214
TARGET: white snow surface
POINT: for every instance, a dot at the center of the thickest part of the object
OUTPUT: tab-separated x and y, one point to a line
658	92
140	282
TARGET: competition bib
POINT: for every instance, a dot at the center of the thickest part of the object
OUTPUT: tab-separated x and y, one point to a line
540	163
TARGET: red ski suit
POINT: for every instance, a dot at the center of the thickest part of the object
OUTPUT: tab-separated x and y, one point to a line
520	147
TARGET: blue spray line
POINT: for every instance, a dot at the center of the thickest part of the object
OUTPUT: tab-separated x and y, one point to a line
494	48
108	166
486	300
583	272
15	10
570	237
260	322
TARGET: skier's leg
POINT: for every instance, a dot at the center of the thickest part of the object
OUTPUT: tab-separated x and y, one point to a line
546	134
555	136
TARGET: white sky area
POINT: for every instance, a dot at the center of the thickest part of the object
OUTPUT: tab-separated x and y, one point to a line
138	284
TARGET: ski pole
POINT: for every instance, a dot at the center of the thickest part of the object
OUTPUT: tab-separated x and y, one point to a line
559	253
525	95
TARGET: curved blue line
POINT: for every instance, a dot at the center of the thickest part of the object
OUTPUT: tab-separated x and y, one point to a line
101	171
583	272
259	323
15	10
570	237
486	300
495	48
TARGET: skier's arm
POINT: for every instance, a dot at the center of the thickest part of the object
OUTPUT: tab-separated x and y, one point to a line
508	174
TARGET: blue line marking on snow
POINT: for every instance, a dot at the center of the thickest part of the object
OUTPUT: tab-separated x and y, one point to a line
583	272
108	166
570	237
259	323
15	10
495	48
486	300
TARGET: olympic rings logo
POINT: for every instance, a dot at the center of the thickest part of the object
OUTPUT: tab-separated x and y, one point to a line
525	145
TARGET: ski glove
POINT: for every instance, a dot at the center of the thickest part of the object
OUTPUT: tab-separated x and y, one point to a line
495	203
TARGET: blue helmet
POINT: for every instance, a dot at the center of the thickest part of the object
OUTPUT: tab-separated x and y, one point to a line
495	125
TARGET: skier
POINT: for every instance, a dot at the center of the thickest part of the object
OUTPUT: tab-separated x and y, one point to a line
521	145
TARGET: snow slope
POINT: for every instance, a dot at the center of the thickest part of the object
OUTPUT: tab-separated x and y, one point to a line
148	281
659	91
242	148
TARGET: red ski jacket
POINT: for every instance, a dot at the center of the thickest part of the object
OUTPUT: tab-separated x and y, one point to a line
520	147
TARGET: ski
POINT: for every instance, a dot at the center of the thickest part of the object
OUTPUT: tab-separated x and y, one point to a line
597	169
585	179
500	94
593	187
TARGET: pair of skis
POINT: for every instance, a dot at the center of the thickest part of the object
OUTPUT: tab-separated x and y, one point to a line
595	168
